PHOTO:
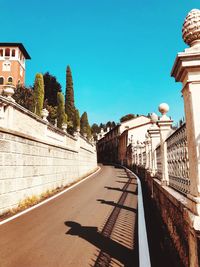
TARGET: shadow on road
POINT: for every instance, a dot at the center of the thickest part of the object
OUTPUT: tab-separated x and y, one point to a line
112	203
117	241
106	245
125	182
121	190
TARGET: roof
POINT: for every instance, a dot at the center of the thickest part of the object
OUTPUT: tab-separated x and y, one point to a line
134	127
21	47
134	118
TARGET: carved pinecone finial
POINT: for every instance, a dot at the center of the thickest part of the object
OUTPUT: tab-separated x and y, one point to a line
191	27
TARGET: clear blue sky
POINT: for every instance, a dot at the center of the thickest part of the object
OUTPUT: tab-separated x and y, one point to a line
121	52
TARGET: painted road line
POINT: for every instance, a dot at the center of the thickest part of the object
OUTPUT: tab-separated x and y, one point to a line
48	199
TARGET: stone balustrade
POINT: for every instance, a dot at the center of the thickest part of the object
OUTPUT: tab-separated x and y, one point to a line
172	171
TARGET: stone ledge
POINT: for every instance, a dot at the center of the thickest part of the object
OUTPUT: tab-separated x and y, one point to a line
31	138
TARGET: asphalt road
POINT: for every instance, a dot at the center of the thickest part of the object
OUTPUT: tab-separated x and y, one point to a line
94	224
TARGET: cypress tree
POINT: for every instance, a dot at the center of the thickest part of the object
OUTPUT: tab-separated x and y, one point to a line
85	127
38	94
61	115
76	120
69	97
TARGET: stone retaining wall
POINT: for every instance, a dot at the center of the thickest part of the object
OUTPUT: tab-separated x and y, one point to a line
31	164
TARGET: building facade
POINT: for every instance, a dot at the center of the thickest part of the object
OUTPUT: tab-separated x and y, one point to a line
112	147
135	134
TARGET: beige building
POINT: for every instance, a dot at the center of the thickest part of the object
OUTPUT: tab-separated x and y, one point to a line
12	63
134	134
112	147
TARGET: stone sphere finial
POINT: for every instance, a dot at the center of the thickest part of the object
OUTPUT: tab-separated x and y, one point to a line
191	28
164	108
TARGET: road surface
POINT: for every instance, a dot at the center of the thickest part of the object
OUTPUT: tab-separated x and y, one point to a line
94	224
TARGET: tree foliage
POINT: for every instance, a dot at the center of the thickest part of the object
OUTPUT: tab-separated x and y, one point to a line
61	115
76	124
52	113
85	127
38	94
95	128
127	117
24	97
51	88
69	96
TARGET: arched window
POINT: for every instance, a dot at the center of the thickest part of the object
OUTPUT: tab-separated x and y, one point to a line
1	52
13	53
10	79
7	52
1	80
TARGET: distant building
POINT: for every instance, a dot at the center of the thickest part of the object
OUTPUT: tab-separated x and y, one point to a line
107	147
132	135
112	147
102	133
12	63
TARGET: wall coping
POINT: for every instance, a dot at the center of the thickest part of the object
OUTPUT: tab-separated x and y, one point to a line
31	138
34	116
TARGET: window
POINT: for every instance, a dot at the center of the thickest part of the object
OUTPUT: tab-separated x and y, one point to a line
10	79
1	80
6	66
13	53
1	52
7	52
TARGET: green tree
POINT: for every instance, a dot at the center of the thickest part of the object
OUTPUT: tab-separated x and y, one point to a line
52	113
61	115
76	124
95	128
38	94
51	88
69	98
85	127
113	124
24	97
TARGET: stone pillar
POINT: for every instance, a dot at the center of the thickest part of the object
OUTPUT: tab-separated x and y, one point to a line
154	135
147	141
186	69
165	125
141	154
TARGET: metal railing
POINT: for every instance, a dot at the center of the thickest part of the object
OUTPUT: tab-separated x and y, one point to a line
177	159
159	163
